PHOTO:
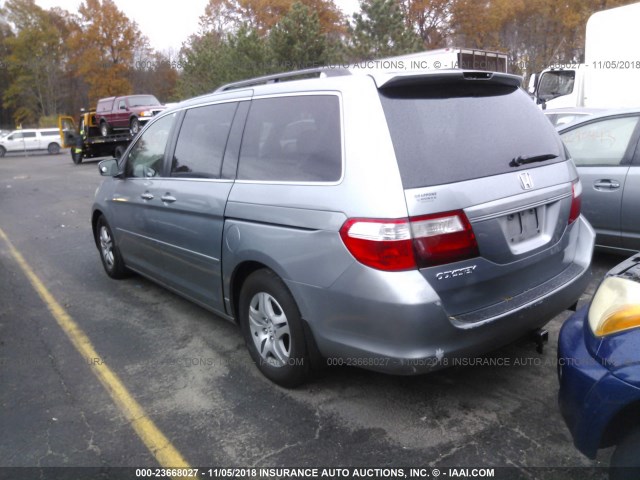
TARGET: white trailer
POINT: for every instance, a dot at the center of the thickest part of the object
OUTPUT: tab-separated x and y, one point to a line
609	77
443	58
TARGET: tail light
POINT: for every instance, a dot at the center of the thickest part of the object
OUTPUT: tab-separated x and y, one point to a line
405	244
576	201
443	238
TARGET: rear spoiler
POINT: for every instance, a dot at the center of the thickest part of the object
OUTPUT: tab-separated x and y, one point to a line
386	80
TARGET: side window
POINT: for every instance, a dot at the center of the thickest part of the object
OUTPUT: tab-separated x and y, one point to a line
29	134
202	140
15	136
292	139
122	105
600	143
146	156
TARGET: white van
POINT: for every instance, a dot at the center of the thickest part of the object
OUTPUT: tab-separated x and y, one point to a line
31	139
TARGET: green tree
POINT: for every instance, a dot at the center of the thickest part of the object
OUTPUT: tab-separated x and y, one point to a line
199	58
214	58
296	41
246	56
6	112
36	55
380	29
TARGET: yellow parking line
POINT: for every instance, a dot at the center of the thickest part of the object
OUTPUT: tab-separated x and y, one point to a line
159	445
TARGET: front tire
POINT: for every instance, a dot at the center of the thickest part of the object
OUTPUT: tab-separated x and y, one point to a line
625	461
134	126
53	149
3	152
109	253
272	329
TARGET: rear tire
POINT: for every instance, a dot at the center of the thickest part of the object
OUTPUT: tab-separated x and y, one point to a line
105	130
109	253
272	329
625	461
53	148
76	157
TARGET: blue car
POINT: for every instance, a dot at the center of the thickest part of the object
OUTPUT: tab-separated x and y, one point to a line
599	371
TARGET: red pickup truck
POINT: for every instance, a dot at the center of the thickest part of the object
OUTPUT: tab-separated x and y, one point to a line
128	112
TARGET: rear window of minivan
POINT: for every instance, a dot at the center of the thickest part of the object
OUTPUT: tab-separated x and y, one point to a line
451	132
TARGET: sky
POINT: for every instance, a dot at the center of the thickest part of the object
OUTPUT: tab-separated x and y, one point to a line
167	23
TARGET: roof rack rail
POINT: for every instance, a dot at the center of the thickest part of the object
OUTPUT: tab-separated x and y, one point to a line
318	71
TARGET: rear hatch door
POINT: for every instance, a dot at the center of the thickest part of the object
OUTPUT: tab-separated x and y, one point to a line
474	144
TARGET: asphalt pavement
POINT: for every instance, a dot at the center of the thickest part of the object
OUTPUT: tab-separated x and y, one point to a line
191	376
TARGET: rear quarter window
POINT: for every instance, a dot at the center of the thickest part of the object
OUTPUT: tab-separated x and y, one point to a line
292	139
446	133
104	106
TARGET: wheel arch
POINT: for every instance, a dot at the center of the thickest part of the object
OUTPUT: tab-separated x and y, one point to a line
95	216
624	421
239	276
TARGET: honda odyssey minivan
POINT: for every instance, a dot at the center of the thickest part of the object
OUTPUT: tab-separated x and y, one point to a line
391	221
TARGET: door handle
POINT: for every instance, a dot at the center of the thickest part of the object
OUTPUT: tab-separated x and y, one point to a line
168	198
147	196
606	184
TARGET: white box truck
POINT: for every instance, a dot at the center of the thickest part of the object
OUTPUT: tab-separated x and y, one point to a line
610	75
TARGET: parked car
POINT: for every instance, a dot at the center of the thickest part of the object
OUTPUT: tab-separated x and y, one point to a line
599	371
30	139
563	116
392	221
605	149
126	113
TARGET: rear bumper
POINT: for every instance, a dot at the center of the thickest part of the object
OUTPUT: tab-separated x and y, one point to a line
395	323
590	395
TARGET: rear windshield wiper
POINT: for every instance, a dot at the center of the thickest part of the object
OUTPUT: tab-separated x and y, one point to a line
524	159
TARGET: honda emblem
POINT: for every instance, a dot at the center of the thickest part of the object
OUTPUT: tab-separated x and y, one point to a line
526	181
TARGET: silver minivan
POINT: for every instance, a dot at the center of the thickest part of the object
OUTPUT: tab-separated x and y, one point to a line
390	221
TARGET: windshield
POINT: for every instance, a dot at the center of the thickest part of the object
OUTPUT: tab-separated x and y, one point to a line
143	101
556	84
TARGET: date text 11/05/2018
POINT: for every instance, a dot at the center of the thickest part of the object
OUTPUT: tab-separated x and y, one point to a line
298	473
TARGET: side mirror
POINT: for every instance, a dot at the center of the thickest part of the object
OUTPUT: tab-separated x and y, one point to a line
108	168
